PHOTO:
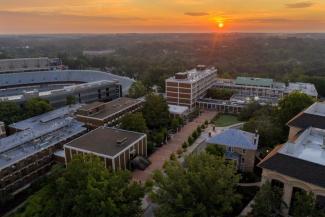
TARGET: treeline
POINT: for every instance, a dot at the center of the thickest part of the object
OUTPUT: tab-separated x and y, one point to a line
153	58
10	112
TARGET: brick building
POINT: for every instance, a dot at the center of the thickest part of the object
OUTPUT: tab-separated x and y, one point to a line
239	146
99	113
185	88
29	153
115	147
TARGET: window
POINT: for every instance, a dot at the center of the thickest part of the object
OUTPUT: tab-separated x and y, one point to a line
230	149
242	160
244	151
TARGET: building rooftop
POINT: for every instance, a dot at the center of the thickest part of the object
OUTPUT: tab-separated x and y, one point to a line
250	81
303	159
193	75
110	108
61	76
235	138
313	116
105	141
37	134
306	88
64	90
37	123
310	146
177	109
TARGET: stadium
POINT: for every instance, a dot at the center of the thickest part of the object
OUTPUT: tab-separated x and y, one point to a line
85	85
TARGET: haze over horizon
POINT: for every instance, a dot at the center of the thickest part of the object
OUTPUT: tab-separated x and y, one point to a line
160	16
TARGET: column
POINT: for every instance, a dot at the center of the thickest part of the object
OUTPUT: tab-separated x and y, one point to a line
286	198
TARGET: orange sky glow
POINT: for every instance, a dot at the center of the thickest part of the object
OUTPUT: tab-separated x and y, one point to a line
146	16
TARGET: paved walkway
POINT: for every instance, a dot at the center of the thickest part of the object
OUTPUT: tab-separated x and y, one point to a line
159	157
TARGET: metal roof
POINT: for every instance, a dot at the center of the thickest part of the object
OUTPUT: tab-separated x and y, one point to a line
235	138
250	81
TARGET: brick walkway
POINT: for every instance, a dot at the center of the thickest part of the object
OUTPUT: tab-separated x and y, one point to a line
159	157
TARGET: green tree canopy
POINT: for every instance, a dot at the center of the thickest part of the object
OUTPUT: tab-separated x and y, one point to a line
267	202
305	205
204	187
71	100
134	122
155	112
215	150
248	111
37	106
87	188
10	112
137	90
291	105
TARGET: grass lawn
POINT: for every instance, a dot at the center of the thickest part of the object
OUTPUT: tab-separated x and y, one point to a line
226	120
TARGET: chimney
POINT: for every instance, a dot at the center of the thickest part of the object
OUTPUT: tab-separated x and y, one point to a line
256	137
209	134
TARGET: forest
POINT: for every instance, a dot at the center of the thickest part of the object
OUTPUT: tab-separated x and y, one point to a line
153	57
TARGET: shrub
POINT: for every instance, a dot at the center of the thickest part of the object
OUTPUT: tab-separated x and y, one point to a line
172	156
190	140
184	145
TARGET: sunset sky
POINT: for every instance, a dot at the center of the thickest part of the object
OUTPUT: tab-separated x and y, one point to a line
121	16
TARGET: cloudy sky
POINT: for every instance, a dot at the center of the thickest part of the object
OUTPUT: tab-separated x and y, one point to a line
112	16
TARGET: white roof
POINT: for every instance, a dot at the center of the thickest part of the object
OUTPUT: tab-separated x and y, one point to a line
310	146
316	109
194	75
177	110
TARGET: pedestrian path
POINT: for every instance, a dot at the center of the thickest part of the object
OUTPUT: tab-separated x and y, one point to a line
159	157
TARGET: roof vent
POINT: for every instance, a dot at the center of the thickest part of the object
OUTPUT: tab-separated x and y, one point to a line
121	141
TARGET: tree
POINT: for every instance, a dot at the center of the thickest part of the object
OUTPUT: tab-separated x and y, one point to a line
305	205
71	100
98	193
204	187
291	105
215	150
267	202
248	111
155	112
223	94
175	124
134	122
10	112
37	106
270	132
137	90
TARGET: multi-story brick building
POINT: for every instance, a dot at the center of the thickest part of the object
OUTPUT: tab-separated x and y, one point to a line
115	147
240	147
185	88
28	154
99	113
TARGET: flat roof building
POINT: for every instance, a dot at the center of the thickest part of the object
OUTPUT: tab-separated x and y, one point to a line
98	113
264	88
117	148
185	88
298	166
28	154
313	116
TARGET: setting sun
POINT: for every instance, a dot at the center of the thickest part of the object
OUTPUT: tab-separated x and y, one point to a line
220	25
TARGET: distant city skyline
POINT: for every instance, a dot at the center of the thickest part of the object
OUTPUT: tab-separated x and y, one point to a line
160	16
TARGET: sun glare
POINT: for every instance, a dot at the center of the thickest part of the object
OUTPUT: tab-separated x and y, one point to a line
221	25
